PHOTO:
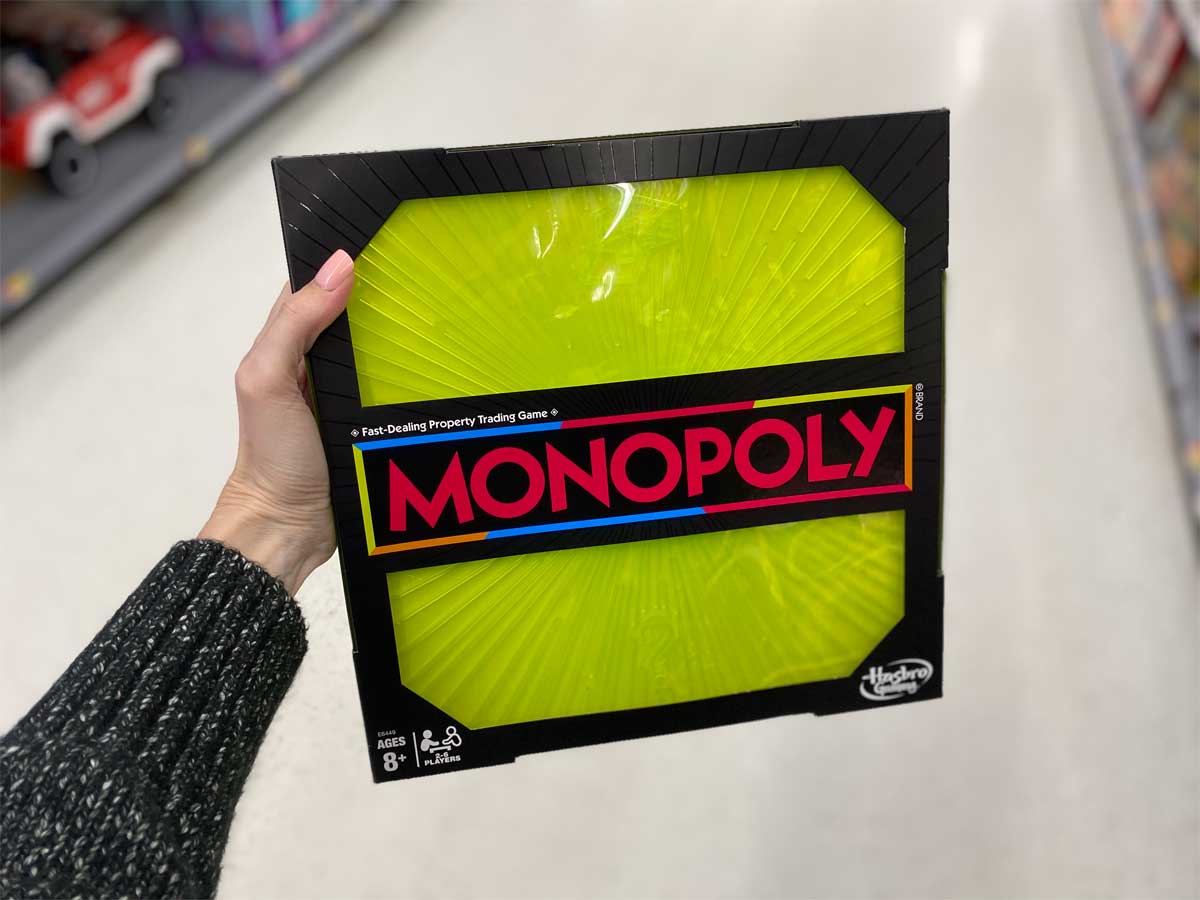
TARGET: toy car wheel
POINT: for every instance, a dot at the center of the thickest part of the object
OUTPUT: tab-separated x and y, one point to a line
73	166
163	108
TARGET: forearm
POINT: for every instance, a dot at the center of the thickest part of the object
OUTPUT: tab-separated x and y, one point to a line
123	778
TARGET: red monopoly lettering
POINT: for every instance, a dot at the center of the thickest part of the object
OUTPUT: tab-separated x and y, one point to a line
402	492
817	469
559	469
697	465
871	439
647	440
782	475
709	460
500	508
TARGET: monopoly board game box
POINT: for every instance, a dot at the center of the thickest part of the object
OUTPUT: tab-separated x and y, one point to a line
632	435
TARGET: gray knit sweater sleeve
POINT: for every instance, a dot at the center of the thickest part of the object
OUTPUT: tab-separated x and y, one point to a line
122	780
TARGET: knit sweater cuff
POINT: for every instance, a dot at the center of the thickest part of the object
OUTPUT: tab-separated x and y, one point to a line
188	673
207	637
179	687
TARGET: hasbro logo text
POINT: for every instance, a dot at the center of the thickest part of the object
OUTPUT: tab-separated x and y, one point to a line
899	678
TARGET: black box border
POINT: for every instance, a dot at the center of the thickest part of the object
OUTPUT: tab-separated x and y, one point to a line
340	201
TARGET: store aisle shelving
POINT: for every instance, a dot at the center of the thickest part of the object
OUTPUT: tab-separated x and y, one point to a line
1062	760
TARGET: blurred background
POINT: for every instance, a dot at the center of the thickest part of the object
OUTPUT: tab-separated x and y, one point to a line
140	251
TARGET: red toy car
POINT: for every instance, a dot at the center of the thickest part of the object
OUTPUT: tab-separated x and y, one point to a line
71	75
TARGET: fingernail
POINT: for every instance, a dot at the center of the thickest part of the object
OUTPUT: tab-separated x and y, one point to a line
335	270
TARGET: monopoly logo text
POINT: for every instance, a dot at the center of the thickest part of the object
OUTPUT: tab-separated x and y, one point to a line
614	470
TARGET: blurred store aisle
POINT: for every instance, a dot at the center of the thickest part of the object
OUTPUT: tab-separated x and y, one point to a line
1063	760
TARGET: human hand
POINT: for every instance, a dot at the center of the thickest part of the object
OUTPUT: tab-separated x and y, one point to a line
274	509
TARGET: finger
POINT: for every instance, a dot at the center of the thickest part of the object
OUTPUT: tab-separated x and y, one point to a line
298	318
284	292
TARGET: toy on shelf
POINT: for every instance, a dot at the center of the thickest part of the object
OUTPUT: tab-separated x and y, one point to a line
261	32
71	75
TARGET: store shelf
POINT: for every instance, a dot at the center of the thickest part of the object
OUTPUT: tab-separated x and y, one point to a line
1176	323
1189	15
45	234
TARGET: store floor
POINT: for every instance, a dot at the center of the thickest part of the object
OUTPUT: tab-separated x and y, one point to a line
1063	759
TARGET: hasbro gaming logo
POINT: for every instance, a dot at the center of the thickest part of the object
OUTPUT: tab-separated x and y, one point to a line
899	678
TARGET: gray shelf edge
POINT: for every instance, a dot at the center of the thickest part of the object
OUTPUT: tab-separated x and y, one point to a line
35	274
1169	319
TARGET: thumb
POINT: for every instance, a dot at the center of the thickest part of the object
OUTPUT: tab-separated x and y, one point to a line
298	318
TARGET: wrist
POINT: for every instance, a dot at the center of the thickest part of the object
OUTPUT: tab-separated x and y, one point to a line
267	537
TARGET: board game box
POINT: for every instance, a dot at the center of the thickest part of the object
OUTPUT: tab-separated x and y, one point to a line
632	435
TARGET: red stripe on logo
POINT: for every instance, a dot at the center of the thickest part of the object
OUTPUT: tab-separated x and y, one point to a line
660	414
808	498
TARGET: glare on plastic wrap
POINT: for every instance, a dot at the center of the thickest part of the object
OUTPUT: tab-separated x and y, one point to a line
492	293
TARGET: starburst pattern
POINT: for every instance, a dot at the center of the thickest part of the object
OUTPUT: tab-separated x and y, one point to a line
494	293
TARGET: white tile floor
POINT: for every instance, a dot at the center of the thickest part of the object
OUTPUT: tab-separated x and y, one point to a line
1063	760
